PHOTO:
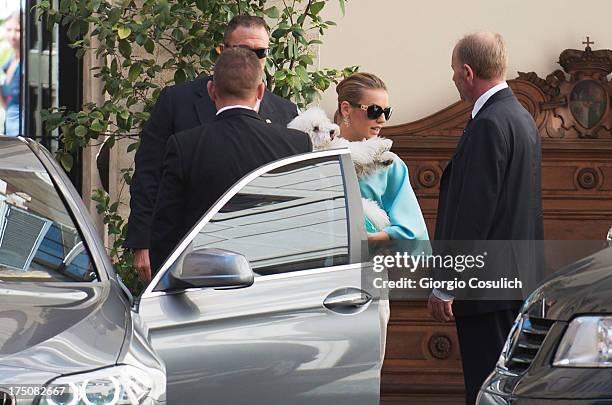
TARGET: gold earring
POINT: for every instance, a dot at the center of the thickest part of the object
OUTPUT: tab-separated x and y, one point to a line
346	122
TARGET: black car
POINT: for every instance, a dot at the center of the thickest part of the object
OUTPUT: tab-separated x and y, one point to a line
559	350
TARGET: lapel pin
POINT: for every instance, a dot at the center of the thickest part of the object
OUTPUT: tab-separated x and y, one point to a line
268	120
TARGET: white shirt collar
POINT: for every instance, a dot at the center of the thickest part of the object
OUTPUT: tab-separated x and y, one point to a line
486	96
229	107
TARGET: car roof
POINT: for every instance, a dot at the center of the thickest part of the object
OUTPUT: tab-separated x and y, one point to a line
15	154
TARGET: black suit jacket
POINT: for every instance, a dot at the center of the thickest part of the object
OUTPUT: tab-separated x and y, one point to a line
490	189
201	164
178	108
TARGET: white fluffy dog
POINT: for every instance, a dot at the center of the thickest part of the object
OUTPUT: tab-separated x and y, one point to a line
368	156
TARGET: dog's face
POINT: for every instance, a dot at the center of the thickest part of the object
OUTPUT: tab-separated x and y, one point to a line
315	123
323	132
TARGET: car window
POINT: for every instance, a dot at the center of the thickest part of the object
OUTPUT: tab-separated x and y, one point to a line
289	219
38	238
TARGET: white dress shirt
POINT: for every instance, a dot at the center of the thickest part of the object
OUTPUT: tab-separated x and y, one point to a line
486	96
229	107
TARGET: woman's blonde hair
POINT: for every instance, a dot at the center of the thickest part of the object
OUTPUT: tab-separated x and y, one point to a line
351	89
15	15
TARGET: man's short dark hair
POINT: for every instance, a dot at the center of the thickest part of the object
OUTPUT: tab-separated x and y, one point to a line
237	73
246	21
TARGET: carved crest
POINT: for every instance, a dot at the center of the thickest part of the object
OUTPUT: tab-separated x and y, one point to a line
578	97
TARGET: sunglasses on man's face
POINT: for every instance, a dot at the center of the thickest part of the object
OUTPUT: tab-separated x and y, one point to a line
374	111
260	52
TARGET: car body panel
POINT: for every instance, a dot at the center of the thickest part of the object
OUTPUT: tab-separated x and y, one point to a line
582	288
51	326
272	340
57	327
277	338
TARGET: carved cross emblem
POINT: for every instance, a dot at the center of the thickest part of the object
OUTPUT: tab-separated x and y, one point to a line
588	42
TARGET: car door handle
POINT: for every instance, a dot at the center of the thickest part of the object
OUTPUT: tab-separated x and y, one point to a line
349	298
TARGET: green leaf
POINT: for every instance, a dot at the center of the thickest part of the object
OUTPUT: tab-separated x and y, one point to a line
298	32
74	30
140	39
272	12
67	161
178	35
149	45
110	142
97	126
124	32
289	50
342	6
132	147
316	8
302	73
80	131
114	67
203	5
125	49
180	76
113	15
307	59
135	71
279	33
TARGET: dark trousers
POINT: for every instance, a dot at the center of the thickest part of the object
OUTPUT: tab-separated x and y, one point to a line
481	340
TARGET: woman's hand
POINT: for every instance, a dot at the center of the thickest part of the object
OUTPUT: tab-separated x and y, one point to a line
378	236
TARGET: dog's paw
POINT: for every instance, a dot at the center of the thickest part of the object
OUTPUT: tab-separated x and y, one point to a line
377	216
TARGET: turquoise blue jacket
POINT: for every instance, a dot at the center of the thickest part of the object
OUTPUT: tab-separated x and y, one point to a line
391	189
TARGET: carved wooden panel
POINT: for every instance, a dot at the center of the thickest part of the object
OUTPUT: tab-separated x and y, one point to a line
571	108
419	352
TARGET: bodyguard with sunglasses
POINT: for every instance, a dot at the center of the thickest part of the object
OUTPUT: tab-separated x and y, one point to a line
179	108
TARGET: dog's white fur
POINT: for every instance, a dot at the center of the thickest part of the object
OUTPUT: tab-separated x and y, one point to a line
368	155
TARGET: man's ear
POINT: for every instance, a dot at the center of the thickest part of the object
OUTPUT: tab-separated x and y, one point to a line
261	89
210	87
469	72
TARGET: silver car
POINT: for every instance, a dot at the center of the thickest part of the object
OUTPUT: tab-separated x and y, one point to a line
261	303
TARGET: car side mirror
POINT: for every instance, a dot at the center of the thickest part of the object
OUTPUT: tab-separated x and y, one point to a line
212	268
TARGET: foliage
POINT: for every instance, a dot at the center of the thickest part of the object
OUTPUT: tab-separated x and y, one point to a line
139	42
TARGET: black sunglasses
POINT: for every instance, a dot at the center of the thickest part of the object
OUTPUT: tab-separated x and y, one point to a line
260	52
374	110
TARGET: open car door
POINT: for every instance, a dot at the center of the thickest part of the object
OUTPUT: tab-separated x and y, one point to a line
302	329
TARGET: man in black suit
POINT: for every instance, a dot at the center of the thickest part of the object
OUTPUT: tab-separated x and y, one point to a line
490	190
183	107
204	162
